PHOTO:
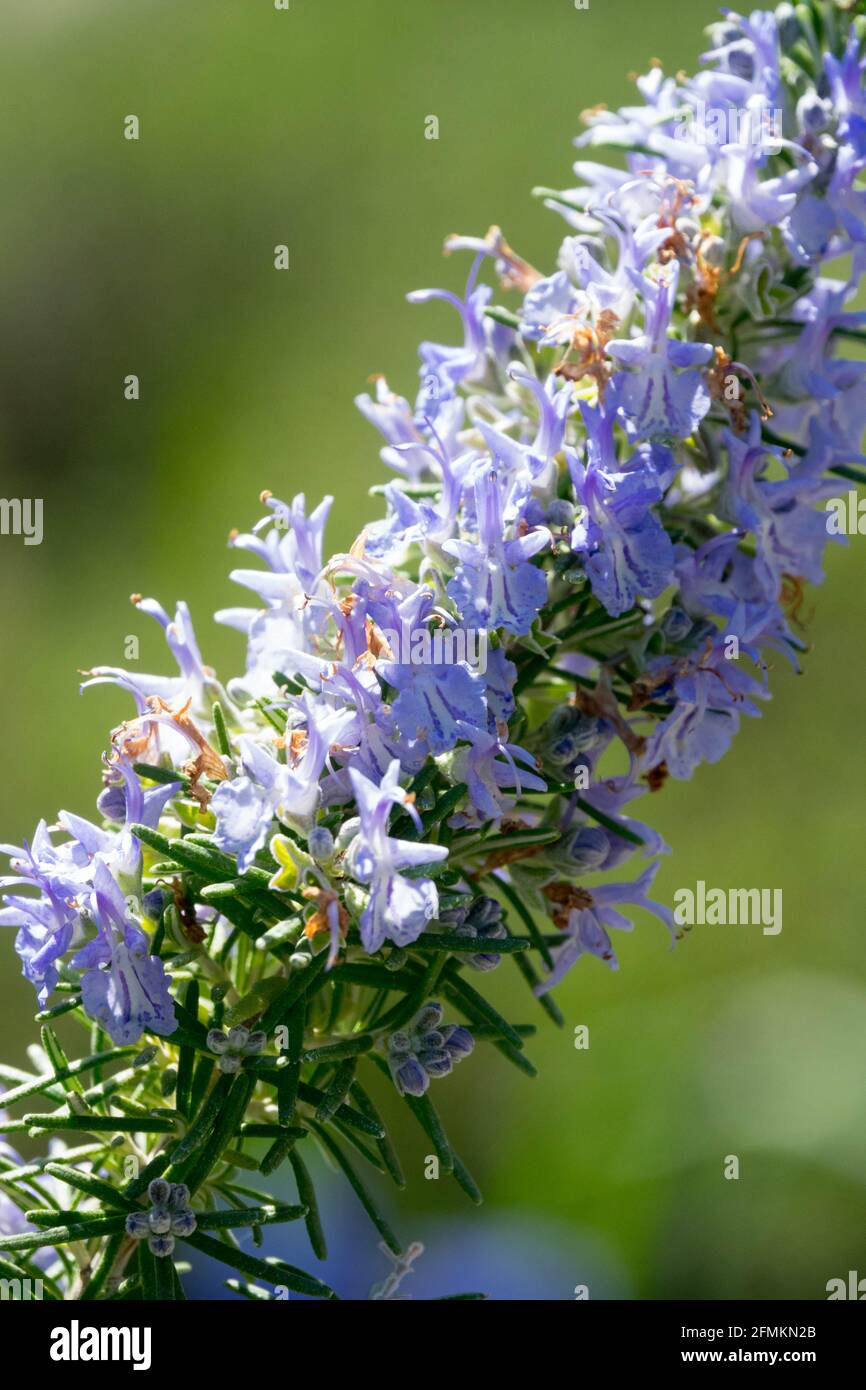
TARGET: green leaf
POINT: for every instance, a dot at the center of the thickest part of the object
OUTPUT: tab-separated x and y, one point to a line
256	1001
360	1190
513	899
222	735
547	1002
502	315
47	1216
40	1083
63	1234
384	1145
11	1271
608	822
210	864
268	1271
337	1089
853	475
370	976
287	1087
235	1158
97	1124
298	985
204	1070
16	1172
165	775
359	1145
186	1058
462	945
307	1194
224	1130
89	1183
204	1123
465	1179
60	1062
58	1010
279	1151
519	1059
427	1116
157	1275
231	1106
250	1291
189	1020
136	1187
408	1007
97	1272
266	1129
517	839
473	1003
441	811
347	1047
267	1215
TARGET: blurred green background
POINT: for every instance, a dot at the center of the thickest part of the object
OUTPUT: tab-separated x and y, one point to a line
306	127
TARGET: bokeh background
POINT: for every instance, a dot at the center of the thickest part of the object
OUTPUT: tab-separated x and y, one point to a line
306	127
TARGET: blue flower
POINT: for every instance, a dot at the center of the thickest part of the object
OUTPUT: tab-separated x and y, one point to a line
628	554
591	847
444	368
660	396
433	698
398	907
123	988
289	541
246	806
195	681
588	915
790	531
433	702
845	77
64	874
719	580
499	681
412	446
488	766
124	799
711	693
758	203
495	585
294	592
532	462
46	924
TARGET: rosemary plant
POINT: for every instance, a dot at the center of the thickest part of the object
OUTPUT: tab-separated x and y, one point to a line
605	505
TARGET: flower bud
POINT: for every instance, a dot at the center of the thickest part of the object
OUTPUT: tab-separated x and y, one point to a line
159	1220
161	1245
436	1063
183	1223
320	843
458	1040
137	1225
813	114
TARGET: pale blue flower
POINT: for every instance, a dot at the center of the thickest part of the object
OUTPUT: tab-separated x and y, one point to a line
398	907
